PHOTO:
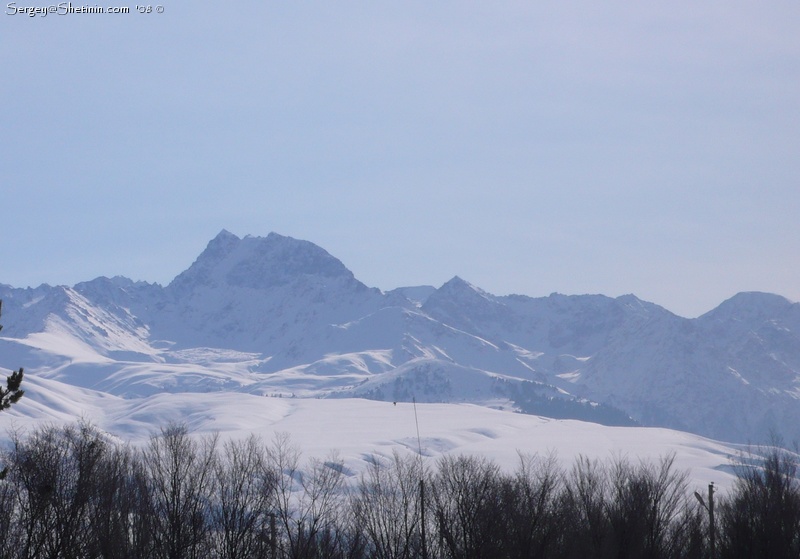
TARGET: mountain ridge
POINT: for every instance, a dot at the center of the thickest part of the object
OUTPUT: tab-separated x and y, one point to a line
279	315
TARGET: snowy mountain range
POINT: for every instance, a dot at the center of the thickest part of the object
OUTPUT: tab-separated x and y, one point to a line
279	317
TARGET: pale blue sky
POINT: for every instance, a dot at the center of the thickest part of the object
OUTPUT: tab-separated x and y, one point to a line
528	147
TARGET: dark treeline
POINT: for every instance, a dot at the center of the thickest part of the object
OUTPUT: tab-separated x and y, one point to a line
71	493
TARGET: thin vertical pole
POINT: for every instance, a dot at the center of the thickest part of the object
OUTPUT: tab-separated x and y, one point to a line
422	517
711	527
273	551
416	421
421	484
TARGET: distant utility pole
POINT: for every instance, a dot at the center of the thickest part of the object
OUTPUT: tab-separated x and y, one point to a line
712	534
421	484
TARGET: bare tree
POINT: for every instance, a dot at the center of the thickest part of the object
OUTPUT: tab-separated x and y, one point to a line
71	493
467	508
533	516
180	473
54	471
12	536
386	505
645	503
306	500
122	523
243	508
761	517
585	499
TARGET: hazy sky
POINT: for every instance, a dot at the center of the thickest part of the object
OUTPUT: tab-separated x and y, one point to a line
528	147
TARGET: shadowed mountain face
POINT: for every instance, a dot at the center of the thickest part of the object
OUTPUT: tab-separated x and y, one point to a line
276	315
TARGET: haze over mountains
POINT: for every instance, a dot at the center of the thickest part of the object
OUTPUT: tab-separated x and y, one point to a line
276	316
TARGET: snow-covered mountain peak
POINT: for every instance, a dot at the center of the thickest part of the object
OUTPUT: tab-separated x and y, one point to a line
111	289
461	304
258	263
643	309
417	294
459	292
459	285
750	307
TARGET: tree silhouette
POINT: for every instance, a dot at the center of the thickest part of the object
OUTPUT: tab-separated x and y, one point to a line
12	392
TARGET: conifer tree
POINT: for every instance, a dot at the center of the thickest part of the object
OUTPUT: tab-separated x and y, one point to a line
12	392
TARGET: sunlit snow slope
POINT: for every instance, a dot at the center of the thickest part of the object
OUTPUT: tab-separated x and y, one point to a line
359	430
